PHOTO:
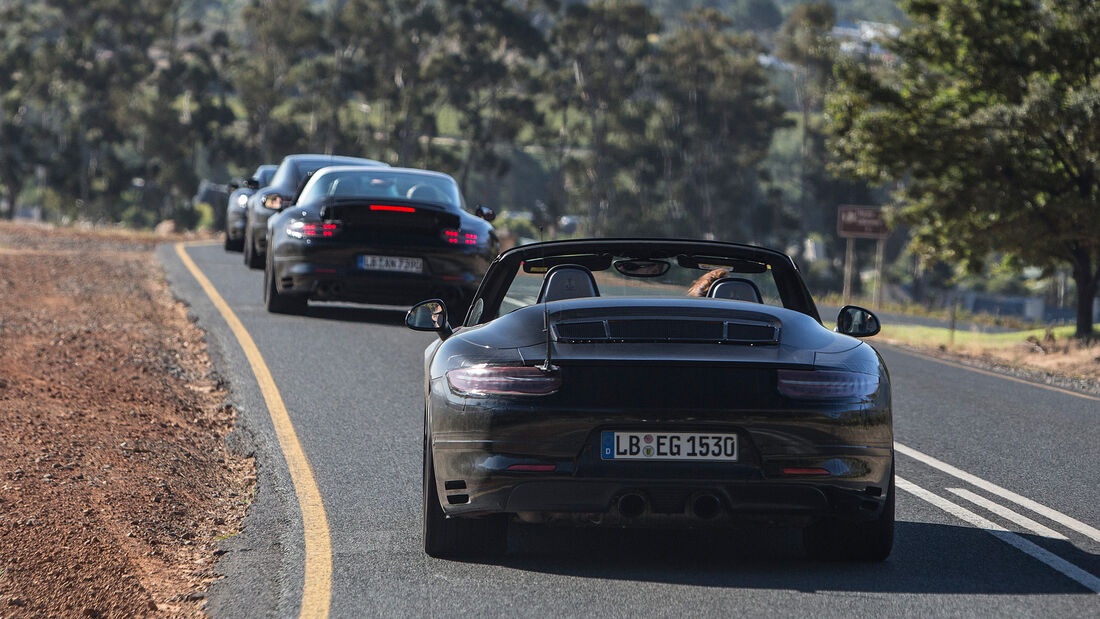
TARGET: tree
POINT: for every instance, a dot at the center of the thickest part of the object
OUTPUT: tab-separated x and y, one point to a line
279	34
718	114
21	96
990	120
483	74
805	43
605	49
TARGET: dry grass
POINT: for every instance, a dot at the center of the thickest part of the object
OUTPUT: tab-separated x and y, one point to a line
1048	350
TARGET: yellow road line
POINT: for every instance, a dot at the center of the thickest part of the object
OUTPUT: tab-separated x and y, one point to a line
963	366
317	589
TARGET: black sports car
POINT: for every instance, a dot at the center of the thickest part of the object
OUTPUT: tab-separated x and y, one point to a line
235	208
287	181
377	235
586	387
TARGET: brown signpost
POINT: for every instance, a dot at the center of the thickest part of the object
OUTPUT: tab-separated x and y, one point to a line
862	222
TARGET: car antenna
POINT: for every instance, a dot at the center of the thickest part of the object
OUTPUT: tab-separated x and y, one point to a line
548	365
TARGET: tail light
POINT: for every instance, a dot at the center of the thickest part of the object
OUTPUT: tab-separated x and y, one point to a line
308	230
503	380
826	384
460	237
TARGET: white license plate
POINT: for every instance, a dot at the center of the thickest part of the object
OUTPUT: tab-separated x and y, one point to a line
706	446
391	263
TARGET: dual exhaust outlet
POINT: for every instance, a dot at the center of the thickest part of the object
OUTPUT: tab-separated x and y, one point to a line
327	289
701	505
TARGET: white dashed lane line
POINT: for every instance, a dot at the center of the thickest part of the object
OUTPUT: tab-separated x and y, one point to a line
1089	581
1070	523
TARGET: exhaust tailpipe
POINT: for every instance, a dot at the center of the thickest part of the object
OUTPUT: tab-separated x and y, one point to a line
704	506
631	505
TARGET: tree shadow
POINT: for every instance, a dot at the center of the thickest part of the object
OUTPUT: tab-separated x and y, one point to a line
927	558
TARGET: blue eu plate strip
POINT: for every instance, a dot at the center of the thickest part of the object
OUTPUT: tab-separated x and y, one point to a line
607	445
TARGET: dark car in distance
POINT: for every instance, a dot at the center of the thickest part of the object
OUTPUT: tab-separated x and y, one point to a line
236	206
285	184
376	235
584	387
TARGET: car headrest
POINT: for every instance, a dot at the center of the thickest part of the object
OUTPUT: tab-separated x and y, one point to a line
568	281
735	288
345	187
423	192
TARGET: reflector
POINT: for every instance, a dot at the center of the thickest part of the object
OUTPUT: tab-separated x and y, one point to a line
536	468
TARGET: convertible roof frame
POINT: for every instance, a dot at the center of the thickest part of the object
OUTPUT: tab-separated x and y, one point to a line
783	266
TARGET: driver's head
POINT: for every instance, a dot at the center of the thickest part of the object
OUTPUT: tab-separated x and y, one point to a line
382	186
701	286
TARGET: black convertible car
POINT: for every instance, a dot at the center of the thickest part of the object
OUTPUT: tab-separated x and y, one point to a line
286	182
377	235
586	387
236	207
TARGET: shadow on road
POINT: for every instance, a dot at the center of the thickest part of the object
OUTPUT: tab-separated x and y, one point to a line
357	313
927	558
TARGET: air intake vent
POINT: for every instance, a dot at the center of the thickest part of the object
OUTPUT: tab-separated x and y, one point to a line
668	330
751	332
595	330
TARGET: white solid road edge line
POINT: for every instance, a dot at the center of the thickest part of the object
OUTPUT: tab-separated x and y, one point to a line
992	488
1038	552
1007	513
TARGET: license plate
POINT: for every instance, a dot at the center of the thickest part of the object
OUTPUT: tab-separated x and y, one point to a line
704	446
391	263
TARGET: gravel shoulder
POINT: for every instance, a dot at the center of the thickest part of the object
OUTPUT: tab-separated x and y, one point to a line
116	482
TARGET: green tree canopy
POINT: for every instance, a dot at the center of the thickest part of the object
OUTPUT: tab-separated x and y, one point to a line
990	123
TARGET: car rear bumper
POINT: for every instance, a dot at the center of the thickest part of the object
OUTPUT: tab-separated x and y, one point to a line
337	281
477	482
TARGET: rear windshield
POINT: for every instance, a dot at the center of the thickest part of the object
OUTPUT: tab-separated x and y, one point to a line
368	183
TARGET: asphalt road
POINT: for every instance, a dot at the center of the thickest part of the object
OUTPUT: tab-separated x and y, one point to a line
972	445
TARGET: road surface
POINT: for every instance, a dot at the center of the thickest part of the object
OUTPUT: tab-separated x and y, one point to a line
998	503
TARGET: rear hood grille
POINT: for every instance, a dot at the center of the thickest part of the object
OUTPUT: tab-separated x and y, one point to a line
663	329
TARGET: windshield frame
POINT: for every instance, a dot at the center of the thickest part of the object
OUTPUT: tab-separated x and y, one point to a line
498	278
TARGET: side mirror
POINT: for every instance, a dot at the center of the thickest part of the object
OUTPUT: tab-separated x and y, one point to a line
430	315
857	322
252	184
276	202
485	212
234	186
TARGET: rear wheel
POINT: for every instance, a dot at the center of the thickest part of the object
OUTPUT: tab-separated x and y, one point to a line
837	540
252	257
281	303
233	244
458	537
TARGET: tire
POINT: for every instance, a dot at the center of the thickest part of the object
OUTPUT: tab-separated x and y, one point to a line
252	258
457	538
233	244
835	540
281	303
246	249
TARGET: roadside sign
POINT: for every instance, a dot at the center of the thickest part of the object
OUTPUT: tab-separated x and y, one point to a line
861	222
